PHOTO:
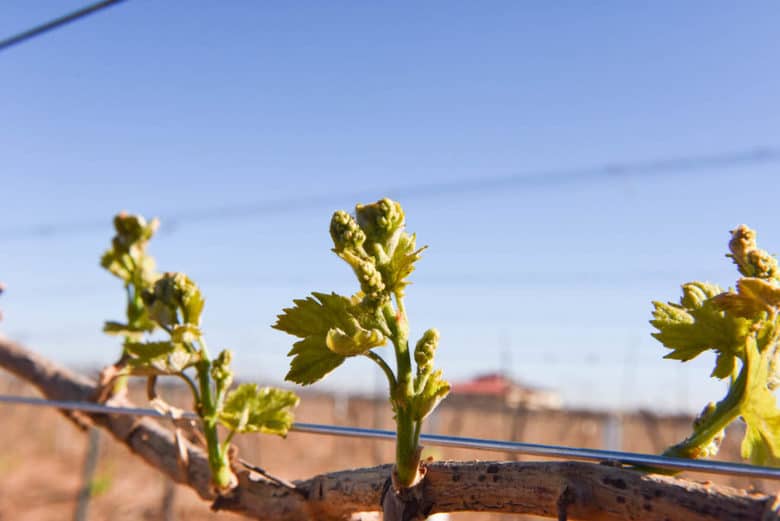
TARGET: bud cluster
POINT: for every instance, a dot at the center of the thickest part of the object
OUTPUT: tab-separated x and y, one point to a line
220	369
381	221
751	260
175	299
425	349
346	234
132	231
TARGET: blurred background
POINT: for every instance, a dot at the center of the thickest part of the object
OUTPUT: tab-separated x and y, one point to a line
566	164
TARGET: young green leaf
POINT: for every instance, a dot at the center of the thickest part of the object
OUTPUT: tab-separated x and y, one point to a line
119	329
698	324
249	408
310	362
330	329
754	296
159	358
761	444
355	341
314	316
149	350
185	333
401	263
758	408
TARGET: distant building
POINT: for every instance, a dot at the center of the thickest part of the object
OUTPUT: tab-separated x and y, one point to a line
498	387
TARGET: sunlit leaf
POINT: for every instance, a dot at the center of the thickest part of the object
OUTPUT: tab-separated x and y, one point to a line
252	409
761	444
119	329
697	324
149	350
185	333
753	297
159	358
401	265
356	342
315	320
311	362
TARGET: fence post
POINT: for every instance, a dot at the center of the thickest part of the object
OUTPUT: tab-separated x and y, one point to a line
88	475
612	432
519	419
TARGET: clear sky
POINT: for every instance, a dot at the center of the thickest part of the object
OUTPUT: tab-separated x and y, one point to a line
243	125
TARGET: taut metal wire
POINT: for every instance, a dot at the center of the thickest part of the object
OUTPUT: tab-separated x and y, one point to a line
533	449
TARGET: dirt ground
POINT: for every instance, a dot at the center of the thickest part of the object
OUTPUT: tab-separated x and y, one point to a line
42	455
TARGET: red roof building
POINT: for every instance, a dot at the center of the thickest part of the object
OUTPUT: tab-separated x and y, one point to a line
500	387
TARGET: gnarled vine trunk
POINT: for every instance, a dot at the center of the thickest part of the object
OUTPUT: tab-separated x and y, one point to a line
560	490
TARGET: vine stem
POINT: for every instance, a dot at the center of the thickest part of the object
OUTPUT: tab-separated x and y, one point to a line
221	473
726	411
407	453
191	385
385	368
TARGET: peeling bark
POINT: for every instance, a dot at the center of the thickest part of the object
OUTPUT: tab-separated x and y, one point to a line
405	504
562	490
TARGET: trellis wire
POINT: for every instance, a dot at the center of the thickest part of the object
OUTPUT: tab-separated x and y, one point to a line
57	22
533	449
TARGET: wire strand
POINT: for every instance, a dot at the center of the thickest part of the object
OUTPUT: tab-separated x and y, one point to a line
533	449
536	179
54	24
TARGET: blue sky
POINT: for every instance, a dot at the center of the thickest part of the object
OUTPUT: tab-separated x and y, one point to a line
243	125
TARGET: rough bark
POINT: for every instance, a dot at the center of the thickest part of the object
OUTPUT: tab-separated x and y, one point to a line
562	490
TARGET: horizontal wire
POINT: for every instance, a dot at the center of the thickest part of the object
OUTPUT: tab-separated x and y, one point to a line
757	155
53	24
532	449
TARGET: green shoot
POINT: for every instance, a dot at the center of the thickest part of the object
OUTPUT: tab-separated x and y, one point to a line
332	328
127	260
173	304
743	328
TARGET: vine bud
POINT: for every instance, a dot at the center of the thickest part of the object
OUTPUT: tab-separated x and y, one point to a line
370	279
174	299
382	221
132	230
751	260
220	369
345	232
425	349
